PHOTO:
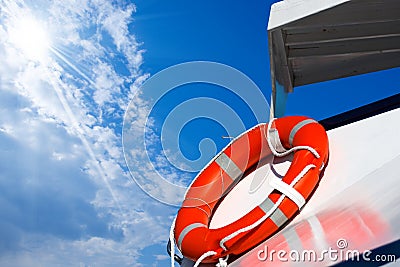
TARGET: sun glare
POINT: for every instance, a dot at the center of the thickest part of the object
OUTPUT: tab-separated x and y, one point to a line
30	36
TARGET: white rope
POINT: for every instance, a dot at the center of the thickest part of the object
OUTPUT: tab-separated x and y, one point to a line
288	190
322	166
172	241
202	257
268	214
222	262
287	152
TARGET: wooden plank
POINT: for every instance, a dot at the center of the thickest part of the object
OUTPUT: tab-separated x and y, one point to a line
280	61
327	34
378	45
318	69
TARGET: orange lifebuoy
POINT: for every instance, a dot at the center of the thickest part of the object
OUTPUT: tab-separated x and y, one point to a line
304	136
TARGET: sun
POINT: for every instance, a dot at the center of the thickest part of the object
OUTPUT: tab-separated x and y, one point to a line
30	37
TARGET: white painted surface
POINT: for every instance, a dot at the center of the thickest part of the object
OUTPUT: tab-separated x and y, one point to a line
286	11
356	150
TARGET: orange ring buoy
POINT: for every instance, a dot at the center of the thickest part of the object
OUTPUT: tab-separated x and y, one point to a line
304	136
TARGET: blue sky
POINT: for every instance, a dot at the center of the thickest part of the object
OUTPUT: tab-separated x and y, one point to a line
70	70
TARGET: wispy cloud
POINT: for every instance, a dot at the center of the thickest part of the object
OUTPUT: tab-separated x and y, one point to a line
66	197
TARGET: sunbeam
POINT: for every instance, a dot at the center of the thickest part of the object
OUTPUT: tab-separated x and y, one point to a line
82	136
64	59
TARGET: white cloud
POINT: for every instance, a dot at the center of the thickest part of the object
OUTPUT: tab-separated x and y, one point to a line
66	197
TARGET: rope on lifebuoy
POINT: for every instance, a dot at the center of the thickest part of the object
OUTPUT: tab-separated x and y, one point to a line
202	257
221	262
287	152
268	214
171	240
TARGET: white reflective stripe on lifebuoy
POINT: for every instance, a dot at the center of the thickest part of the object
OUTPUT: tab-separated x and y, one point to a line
288	191
186	230
297	127
275	140
228	166
278	217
